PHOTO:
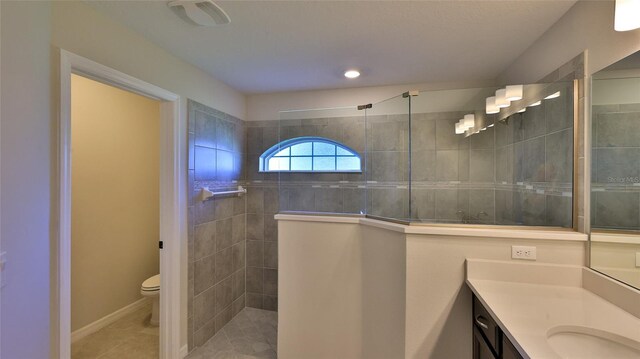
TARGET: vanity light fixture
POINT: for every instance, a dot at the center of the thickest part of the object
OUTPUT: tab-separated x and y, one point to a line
521	111
491	125
459	128
491	107
553	95
469	121
514	92
352	74
627	16
501	98
537	103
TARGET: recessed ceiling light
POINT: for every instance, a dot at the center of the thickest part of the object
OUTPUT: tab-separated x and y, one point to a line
553	95
352	74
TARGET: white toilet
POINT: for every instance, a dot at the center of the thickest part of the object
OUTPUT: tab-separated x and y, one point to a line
151	288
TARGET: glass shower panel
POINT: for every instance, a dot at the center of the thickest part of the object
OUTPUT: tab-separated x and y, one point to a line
535	153
452	174
514	167
323	177
387	161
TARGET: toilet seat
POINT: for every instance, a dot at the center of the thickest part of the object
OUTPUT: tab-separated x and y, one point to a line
152	284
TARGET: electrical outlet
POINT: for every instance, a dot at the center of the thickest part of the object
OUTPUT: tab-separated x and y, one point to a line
523	252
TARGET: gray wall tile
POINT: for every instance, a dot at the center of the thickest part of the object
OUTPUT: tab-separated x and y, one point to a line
205	240
271	255
224	294
255	280
447	165
224	237
617	209
255	227
205	274
255	253
482	166
559	156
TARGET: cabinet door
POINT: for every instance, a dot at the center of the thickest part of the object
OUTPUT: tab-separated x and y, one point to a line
508	350
481	349
486	324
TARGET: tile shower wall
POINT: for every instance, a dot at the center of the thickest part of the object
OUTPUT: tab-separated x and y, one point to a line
615	169
534	158
269	192
216	241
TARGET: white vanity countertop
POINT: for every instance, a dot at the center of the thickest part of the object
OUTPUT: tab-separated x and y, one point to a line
529	309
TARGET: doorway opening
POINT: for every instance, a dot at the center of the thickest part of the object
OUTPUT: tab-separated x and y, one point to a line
115	215
169	204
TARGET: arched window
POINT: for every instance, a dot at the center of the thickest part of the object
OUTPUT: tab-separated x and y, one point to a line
310	154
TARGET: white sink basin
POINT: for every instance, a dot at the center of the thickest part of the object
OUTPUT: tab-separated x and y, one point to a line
583	342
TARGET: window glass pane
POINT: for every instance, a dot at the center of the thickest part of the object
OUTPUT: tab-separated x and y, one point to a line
348	164
284	152
323	149
324	163
301	163
343	152
301	149
278	164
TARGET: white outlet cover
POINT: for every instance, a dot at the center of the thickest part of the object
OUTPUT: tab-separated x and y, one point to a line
523	252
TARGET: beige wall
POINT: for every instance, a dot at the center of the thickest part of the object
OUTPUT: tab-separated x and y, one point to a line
267	107
115	198
587	25
78	28
31	33
25	193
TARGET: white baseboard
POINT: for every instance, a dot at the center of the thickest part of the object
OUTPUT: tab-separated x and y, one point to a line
106	320
184	351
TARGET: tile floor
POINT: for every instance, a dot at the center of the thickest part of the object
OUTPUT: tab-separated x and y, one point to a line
128	338
252	333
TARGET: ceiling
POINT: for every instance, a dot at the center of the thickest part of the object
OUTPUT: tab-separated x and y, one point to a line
273	46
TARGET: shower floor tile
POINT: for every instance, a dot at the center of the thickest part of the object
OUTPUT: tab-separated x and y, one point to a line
129	337
253	333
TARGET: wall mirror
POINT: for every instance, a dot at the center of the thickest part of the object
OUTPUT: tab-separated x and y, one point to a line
615	171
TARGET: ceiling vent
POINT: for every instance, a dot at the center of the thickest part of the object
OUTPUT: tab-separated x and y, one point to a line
200	12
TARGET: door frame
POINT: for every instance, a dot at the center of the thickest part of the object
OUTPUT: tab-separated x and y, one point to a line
173	199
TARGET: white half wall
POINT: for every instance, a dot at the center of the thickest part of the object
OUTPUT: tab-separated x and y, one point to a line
368	289
340	291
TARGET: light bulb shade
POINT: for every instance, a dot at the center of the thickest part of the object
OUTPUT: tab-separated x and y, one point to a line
523	110
501	98
514	92
469	121
537	103
627	15
553	95
490	107
459	128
